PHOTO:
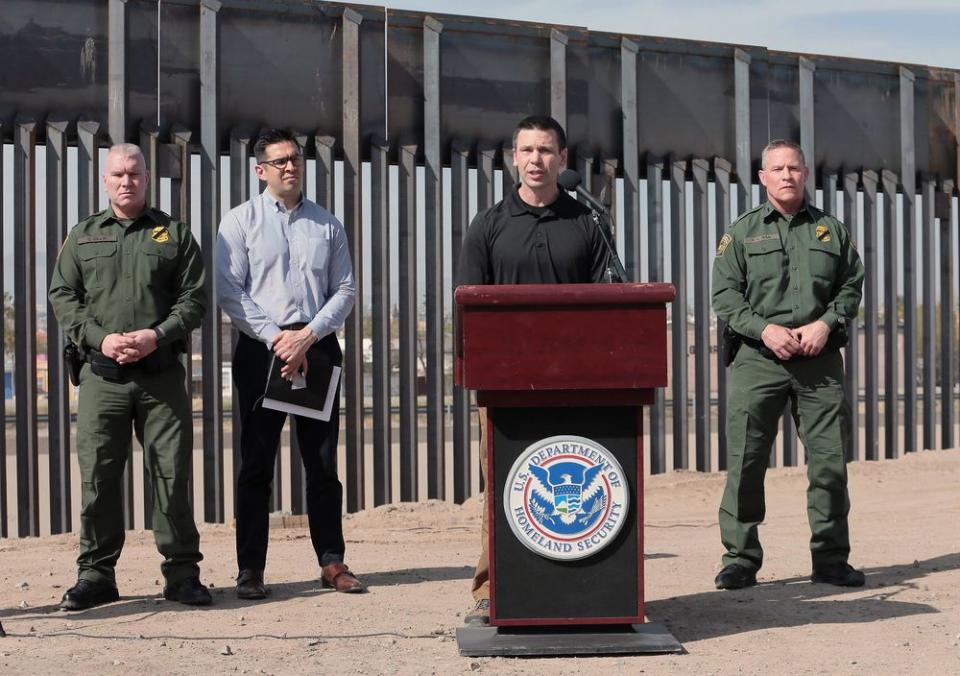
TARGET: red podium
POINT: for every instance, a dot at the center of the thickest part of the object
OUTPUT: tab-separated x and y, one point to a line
563	371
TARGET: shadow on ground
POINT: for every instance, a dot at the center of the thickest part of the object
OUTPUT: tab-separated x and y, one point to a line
796	602
224	598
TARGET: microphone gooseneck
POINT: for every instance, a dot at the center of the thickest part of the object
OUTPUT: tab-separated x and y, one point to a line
570	180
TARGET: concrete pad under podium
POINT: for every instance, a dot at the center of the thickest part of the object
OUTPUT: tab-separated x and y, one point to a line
650	637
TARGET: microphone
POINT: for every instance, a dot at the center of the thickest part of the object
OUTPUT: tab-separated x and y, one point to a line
570	180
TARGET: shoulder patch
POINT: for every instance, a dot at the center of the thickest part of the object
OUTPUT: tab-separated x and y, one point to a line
724	243
91	239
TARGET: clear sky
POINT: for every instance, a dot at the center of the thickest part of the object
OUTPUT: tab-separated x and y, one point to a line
907	31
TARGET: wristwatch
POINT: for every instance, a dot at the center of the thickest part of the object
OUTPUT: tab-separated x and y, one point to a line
160	333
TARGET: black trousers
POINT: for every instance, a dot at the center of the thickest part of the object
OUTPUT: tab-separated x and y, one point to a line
259	441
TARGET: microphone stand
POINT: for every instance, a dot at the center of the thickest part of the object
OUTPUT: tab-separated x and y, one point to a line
602	221
570	180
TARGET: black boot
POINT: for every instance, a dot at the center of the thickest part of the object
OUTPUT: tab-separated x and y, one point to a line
189	591
839	574
735	576
86	594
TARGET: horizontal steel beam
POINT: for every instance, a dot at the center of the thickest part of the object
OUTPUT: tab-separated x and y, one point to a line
692	99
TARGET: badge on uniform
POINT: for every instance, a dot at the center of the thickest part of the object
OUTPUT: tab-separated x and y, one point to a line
160	234
823	233
724	243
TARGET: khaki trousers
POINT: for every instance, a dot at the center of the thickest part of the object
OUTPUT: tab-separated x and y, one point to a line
481	575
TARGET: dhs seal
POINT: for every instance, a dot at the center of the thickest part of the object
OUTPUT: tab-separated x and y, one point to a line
566	498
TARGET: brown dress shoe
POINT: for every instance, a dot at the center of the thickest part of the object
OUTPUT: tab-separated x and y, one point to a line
338	576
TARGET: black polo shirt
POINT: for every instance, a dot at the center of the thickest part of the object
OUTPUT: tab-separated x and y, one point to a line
515	243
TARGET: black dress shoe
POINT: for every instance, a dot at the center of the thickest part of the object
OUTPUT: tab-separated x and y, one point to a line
189	591
840	574
250	585
735	576
86	594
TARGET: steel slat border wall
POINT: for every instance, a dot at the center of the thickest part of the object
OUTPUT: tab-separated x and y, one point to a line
433	175
58	394
25	338
460	206
608	89
407	257
380	230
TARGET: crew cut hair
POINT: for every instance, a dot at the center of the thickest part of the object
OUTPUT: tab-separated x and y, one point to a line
268	137
541	123
128	150
781	143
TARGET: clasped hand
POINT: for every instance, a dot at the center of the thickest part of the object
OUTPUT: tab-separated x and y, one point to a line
128	348
807	341
291	347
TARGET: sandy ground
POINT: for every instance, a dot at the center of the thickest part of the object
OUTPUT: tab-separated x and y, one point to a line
417	559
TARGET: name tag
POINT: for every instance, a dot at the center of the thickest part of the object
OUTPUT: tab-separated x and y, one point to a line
93	239
759	238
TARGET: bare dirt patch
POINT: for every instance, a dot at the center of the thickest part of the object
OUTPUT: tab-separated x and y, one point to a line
418	558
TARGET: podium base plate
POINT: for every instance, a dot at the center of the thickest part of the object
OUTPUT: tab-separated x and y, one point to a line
650	637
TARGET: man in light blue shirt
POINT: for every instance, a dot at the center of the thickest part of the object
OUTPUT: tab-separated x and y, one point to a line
285	279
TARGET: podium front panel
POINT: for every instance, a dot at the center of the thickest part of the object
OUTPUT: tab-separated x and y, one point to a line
609	347
605	587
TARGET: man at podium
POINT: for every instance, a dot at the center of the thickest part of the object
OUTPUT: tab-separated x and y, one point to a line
537	234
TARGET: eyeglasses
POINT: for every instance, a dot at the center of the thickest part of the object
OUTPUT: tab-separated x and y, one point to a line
281	162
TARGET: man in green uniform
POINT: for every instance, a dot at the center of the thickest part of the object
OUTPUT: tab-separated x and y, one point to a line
786	279
128	290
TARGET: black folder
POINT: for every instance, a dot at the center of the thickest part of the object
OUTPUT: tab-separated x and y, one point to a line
311	396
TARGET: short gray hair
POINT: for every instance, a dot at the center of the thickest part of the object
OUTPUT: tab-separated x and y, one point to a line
128	150
781	143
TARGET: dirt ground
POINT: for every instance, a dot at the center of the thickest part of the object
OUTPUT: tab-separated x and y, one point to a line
417	560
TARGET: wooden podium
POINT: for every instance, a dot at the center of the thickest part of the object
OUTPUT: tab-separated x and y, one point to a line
563	371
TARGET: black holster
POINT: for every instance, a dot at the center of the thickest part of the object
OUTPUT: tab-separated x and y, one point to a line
731	345
73	358
838	338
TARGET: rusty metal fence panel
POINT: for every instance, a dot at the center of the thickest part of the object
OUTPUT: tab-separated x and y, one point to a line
406	120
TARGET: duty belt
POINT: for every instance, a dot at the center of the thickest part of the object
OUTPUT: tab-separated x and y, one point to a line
834	343
157	361
733	340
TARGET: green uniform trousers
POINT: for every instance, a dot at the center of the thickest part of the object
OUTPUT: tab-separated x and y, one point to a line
158	407
758	392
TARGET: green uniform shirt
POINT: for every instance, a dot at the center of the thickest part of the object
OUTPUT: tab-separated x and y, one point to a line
790	271
116	278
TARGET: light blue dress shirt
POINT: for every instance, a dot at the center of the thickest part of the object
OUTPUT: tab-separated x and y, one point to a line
276	267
